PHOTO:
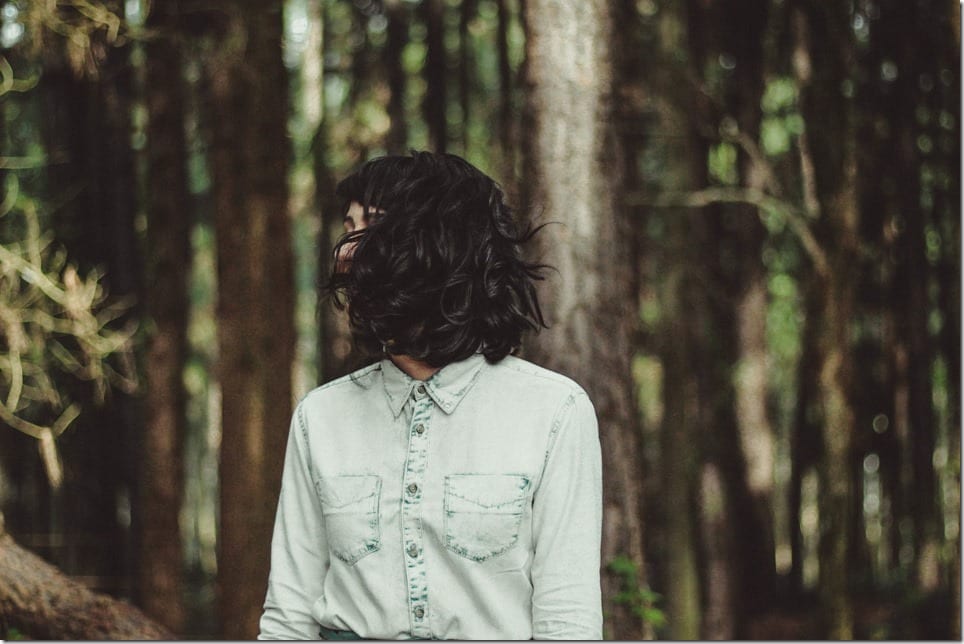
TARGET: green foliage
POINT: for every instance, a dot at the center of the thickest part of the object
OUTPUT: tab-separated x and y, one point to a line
784	320
641	600
722	164
781	121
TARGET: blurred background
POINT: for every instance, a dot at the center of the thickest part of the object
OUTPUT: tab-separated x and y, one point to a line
759	286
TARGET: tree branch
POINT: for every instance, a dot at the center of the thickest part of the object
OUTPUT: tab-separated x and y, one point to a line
794	217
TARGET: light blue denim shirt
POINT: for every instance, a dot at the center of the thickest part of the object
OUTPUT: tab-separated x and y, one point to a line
468	506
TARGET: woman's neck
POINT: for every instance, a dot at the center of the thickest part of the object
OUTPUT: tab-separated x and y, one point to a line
415	368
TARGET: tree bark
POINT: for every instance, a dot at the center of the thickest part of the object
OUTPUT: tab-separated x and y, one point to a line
573	172
948	220
883	423
396	141
686	354
752	491
335	348
160	582
912	347
249	153
804	437
467	10
680	455
435	102
681	356
719	622
823	60
87	132
506	88
42	603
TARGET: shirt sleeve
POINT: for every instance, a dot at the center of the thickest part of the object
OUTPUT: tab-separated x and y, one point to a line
567	528
299	550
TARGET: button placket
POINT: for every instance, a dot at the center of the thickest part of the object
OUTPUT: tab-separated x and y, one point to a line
412	542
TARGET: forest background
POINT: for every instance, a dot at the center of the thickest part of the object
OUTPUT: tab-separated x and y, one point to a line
758	284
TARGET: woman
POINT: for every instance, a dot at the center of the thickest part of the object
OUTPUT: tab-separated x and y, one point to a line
449	490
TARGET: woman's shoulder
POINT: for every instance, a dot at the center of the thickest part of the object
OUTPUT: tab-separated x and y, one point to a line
350	385
515	371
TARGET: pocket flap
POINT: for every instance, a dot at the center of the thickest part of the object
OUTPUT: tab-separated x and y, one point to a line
488	490
339	491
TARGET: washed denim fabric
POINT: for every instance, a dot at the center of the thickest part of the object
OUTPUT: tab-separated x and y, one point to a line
468	506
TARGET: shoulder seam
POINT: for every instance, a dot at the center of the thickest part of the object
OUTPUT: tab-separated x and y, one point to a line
361	373
574	387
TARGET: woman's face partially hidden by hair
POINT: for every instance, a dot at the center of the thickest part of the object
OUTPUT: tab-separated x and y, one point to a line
355	219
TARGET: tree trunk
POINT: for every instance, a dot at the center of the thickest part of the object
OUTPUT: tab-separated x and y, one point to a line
42	603
160	582
506	88
396	141
686	355
823	59
680	453
435	102
87	131
467	9
804	437
115	458
912	347
878	397
573	170
248	90
753	494
335	348
948	221
680	449
720	574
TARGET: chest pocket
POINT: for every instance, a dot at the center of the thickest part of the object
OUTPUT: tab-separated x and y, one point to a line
350	506
483	513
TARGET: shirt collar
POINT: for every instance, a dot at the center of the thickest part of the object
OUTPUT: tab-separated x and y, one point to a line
446	387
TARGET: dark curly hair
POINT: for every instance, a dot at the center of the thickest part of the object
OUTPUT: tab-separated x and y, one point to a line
438	274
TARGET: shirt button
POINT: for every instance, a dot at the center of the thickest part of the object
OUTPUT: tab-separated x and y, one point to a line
420	390
419	612
412	488
420	429
413	551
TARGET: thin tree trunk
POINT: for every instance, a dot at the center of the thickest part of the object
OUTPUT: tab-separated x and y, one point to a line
467	9
876	402
683	344
897	103
804	438
506	88
911	280
573	172
718	620
113	182
160	582
396	141
248	90
679	452
823	58
753	496
335	349
947	219
435	102
87	130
